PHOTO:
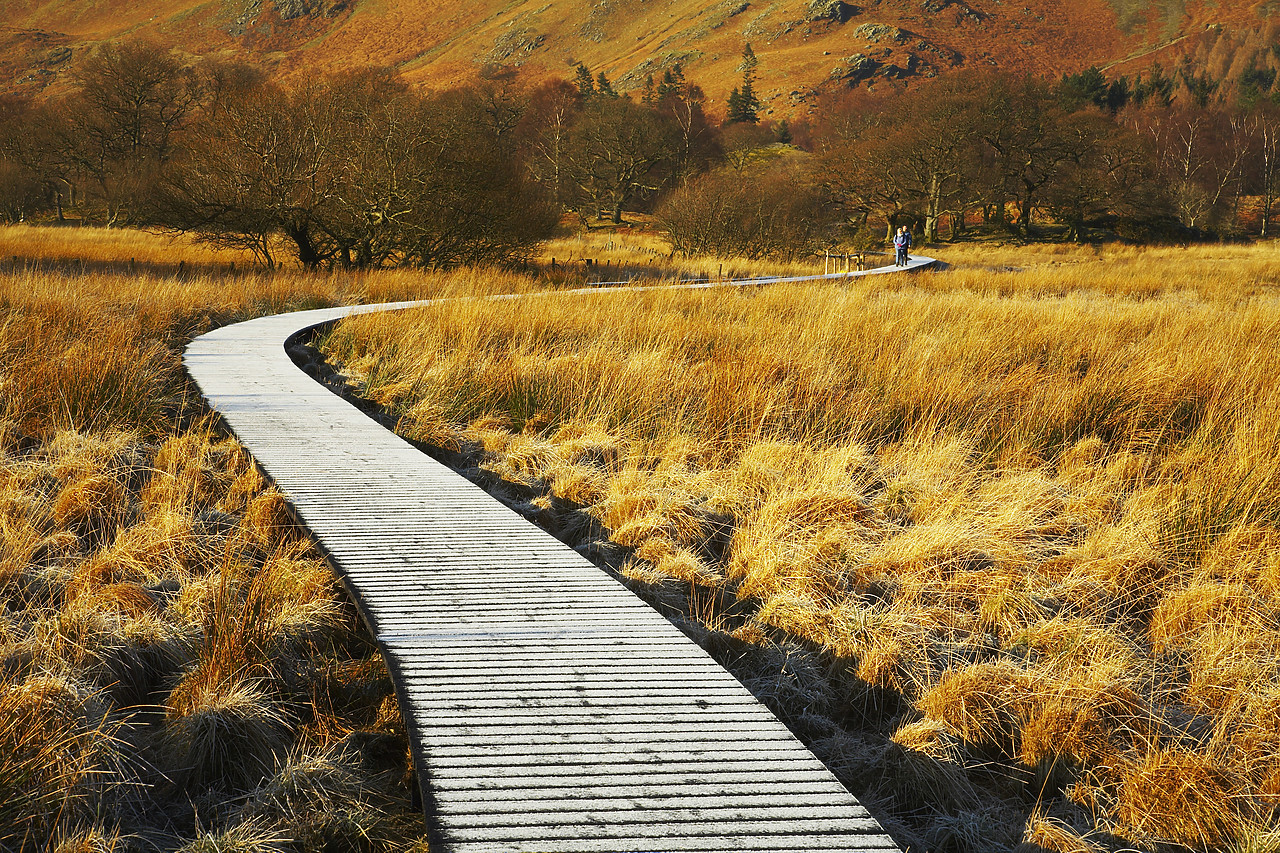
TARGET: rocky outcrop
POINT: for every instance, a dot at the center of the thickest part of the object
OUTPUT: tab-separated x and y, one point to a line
937	54
876	33
516	44
920	58
855	69
831	10
962	10
288	10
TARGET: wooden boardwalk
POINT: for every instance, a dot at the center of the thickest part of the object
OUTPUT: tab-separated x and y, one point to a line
549	708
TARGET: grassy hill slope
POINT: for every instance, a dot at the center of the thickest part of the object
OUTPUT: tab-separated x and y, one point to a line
804	45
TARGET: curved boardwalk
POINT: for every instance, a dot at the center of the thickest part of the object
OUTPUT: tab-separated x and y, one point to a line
550	709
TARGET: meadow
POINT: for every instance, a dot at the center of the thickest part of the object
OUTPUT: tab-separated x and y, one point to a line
179	667
999	542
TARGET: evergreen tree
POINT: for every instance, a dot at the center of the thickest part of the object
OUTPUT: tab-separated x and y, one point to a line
1156	87
749	63
604	87
1087	87
744	106
585	82
672	82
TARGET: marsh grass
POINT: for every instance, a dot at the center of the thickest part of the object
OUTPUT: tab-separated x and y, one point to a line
634	252
1023	513
170	642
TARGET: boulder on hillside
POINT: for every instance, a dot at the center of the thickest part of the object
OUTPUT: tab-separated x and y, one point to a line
876	33
831	10
893	71
855	69
290	9
962	9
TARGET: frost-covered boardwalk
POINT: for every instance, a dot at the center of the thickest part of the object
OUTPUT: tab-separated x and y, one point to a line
550	709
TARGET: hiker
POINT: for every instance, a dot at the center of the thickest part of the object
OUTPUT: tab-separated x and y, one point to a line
901	240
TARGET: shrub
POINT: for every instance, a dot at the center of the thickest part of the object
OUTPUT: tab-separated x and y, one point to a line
767	210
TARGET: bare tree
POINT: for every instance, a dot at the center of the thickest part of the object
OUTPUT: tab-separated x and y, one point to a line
620	151
544	135
357	171
118	129
1021	126
697	144
255	168
913	152
1108	173
1202	153
25	186
1264	126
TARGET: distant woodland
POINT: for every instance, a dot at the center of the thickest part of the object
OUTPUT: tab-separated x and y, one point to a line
359	171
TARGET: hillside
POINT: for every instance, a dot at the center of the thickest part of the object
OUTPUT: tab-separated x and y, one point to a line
804	45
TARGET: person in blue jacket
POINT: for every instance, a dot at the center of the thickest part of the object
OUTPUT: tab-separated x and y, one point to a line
901	243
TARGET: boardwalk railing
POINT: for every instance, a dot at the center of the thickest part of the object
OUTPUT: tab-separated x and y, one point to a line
549	708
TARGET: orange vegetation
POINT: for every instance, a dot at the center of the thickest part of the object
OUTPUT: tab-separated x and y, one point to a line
179	668
1009	531
442	43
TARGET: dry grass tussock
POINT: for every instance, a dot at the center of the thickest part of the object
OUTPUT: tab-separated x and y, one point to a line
1020	524
178	665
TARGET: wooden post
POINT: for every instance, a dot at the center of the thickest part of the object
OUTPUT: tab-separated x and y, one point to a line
826	262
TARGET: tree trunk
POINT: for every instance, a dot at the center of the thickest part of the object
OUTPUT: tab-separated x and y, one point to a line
302	239
933	211
1024	215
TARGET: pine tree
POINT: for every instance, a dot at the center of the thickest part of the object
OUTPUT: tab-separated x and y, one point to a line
604	87
672	82
585	82
744	106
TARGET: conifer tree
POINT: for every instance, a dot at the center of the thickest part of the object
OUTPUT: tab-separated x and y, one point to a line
585	82
672	81
744	106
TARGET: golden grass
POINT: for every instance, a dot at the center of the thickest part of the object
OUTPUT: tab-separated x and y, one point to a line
110	245
1036	505
620	254
169	639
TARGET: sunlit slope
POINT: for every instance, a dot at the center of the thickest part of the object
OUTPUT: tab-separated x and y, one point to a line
803	44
